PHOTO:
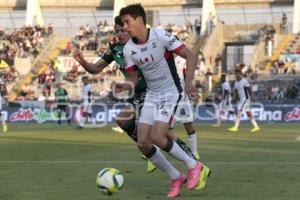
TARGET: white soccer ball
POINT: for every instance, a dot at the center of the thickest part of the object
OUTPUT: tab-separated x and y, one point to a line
109	180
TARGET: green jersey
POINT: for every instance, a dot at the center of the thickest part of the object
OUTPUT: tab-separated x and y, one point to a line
61	95
116	54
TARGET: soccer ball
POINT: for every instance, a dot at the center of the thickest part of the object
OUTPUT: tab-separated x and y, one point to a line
109	180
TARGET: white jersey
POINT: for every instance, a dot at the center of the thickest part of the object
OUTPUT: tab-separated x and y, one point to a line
241	86
226	87
181	68
87	94
155	59
1	83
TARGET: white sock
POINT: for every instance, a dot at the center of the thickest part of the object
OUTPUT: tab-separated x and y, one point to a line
157	148
218	117
254	122
193	142
93	121
82	121
3	121
160	161
237	121
179	154
219	120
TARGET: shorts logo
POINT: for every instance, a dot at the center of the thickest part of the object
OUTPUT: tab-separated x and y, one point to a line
172	41
133	52
154	45
182	112
164	112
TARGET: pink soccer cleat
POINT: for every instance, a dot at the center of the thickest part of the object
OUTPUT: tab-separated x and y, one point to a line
194	176
176	186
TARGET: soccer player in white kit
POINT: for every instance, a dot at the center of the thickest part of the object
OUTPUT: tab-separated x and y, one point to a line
151	50
3	93
87	94
225	104
243	90
185	113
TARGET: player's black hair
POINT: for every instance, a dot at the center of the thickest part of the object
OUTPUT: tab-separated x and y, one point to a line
118	21
134	10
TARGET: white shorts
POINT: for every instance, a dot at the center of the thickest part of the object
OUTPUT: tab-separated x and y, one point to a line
159	108
243	105
226	107
87	108
184	112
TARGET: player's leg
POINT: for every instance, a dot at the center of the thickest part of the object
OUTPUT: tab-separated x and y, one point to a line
67	113
127	122
236	122
185	115
181	144
192	138
240	108
218	116
146	120
158	159
159	137
253	121
90	115
164	116
82	120
4	125
59	111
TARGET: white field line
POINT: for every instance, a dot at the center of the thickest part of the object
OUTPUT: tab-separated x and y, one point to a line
298	138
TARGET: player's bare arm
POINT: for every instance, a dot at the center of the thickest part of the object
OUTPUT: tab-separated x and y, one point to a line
250	93
130	81
92	68
191	63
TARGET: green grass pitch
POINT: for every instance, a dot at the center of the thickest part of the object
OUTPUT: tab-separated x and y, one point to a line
51	162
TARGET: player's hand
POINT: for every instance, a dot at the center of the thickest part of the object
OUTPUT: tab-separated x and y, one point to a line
191	91
77	55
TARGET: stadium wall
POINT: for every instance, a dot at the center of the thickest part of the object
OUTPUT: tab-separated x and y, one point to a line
150	4
103	114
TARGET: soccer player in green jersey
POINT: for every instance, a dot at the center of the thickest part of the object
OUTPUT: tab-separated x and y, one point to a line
61	98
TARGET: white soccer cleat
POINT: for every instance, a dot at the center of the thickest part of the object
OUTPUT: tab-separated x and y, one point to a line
117	129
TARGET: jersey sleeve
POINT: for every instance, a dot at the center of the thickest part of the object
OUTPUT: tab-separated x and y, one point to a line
246	83
90	88
226	86
171	42
130	66
235	85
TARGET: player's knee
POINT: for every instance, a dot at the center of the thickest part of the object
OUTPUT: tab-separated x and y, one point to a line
189	128
144	146
121	123
249	114
158	140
